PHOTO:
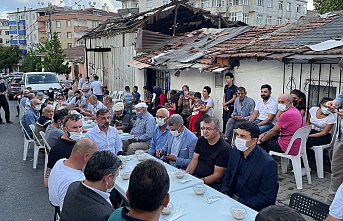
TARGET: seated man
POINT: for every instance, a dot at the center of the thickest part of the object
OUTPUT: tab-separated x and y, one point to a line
95	105
160	135
179	148
108	102
142	130
336	210
211	155
278	138
89	200
78	100
105	136
31	116
265	110
251	176
242	110
121	119
43	122
30	96
67	171
24	98
147	193
46	102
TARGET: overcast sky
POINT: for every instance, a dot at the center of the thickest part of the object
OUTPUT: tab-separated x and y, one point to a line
113	5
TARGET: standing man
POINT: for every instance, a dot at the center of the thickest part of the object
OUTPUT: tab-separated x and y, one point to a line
160	134
105	136
265	110
230	91
96	87
211	155
68	83
80	83
127	98
4	102
136	95
243	108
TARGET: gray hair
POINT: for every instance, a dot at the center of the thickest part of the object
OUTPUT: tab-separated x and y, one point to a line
47	107
102	111
288	97
93	97
214	120
175	119
108	99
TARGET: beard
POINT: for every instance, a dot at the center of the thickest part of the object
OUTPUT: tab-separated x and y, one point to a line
105	125
265	97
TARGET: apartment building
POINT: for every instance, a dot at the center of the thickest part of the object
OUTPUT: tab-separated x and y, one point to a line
252	12
32	26
4	32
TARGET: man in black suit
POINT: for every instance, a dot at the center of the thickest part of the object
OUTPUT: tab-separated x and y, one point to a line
90	199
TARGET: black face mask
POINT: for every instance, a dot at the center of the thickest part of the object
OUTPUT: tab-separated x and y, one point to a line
295	102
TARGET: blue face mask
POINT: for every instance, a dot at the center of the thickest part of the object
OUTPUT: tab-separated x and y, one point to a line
139	114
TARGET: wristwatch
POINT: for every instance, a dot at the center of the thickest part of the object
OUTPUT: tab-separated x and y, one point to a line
260	140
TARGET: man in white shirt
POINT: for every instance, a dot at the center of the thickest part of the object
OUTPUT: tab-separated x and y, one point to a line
105	136
96	87
68	83
69	170
336	209
265	110
80	83
95	105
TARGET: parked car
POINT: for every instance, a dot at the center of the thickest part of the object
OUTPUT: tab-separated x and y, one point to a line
40	81
14	87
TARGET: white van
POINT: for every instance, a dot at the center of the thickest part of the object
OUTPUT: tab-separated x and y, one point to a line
40	81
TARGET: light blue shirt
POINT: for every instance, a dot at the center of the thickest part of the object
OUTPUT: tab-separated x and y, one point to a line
143	128
244	109
175	148
158	140
30	117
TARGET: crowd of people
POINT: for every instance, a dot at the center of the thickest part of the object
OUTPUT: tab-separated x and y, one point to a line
179	129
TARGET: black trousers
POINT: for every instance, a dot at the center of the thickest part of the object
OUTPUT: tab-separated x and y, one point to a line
5	106
226	116
272	144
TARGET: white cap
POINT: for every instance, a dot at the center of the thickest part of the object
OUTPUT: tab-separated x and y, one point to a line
118	106
141	105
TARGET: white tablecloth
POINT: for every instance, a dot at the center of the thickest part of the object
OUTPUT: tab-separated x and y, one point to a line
197	209
122	185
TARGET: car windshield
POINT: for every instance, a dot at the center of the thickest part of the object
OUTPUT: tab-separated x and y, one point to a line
41	78
16	80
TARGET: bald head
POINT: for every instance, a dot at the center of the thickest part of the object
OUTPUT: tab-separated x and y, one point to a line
85	145
30	96
162	112
286	97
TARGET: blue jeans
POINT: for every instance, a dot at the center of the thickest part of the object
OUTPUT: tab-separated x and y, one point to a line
264	128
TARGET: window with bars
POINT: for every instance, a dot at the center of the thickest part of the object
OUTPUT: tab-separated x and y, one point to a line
260	2
280	5
244	2
298	8
233	16
288	8
279	21
217	3
259	19
58	24
269	20
205	3
246	18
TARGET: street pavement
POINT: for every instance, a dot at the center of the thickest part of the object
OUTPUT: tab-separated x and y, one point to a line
23	196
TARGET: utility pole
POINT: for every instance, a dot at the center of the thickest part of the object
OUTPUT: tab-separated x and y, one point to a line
50	19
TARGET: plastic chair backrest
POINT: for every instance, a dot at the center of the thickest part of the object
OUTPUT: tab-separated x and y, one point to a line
120	95
114	94
25	132
46	144
32	127
309	206
302	133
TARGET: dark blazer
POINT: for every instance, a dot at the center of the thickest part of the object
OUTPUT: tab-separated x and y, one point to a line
82	203
260	182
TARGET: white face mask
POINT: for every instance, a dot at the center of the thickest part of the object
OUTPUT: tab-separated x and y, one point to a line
241	144
37	108
281	107
175	133
160	121
325	110
76	136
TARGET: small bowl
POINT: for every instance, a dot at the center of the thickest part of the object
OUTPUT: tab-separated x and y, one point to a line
141	156
238	212
139	152
167	210
180	173
199	189
125	175
123	158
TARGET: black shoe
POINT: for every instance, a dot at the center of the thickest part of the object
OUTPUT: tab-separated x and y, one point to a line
2	122
9	122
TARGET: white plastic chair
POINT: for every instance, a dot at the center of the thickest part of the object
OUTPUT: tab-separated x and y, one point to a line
318	150
302	133
21	111
36	147
201	125
120	95
47	149
114	94
234	131
27	141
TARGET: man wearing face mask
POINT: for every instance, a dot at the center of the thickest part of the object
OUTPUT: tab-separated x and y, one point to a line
251	175
72	128
290	120
31	116
105	136
159	137
179	148
121	119
142	130
67	171
89	200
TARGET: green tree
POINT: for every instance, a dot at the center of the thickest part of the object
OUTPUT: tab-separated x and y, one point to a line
9	56
53	59
324	6
32	62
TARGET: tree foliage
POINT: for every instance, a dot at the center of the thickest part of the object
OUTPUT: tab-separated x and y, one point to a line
53	59
32	62
9	56
324	6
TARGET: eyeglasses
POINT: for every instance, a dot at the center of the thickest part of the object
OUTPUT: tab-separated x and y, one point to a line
207	128
73	117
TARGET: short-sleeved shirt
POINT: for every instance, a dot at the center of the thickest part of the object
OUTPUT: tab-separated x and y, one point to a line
209	103
319	124
97	106
336	210
137	96
79	101
127	98
123	120
210	156
229	92
67	83
52	134
62	149
97	87
81	81
270	107
290	121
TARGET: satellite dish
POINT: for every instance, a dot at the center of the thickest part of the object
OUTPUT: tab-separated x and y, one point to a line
94	3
